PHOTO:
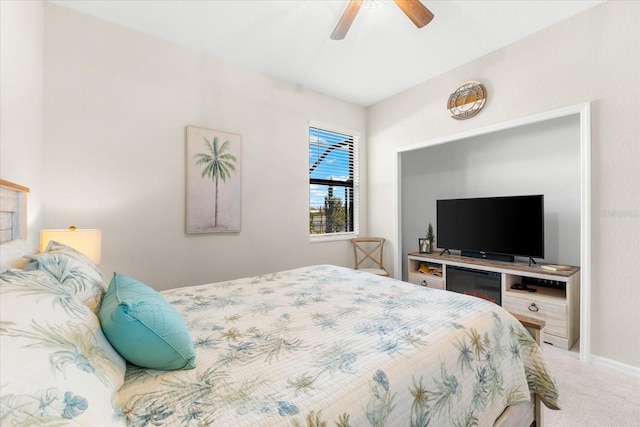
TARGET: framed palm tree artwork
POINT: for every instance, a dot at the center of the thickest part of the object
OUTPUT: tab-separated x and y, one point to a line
214	172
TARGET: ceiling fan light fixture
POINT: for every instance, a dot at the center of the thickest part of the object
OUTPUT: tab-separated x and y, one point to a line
372	4
413	9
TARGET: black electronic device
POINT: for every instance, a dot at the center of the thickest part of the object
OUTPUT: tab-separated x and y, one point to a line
523	287
493	256
544	283
492	227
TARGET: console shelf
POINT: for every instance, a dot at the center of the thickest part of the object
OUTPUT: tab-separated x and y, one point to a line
556	300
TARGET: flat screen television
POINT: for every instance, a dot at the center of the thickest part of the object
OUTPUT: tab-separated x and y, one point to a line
492	227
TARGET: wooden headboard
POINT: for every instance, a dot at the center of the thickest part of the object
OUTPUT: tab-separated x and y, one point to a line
13	211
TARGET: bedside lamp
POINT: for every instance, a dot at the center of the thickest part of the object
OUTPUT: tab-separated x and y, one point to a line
86	241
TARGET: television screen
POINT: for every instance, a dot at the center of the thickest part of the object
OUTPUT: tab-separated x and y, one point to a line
499	225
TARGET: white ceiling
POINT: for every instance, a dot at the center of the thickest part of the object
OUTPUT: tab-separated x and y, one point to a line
383	53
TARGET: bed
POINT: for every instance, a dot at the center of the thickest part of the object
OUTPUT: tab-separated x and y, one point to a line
313	346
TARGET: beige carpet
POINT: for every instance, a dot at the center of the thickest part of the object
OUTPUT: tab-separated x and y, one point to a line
591	396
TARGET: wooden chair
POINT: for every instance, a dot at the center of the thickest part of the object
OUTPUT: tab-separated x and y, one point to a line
369	249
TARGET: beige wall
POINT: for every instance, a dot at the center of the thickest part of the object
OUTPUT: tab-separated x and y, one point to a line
116	106
591	57
21	127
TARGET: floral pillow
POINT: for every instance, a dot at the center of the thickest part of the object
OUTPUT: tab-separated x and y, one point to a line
57	367
74	271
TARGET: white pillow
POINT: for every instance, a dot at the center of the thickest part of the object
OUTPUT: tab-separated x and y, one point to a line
74	271
12	254
54	351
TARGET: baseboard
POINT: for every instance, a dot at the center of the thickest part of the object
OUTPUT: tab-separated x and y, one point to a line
632	371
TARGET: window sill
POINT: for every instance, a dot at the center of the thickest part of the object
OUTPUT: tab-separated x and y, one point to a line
317	238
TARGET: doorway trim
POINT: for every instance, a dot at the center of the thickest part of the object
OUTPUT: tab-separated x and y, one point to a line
584	112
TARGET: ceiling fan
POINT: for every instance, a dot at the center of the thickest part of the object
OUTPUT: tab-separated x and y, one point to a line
414	9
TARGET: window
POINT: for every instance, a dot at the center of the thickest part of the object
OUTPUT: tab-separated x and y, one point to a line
333	183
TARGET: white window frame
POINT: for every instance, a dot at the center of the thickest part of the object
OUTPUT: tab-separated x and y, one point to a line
328	237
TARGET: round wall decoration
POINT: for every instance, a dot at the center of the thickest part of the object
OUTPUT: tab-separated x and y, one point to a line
467	100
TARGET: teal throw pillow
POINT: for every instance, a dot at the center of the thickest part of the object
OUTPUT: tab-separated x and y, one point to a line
144	328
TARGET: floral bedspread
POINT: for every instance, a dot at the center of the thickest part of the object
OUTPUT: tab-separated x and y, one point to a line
326	345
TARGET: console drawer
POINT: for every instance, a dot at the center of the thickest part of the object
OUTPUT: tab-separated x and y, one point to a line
426	280
552	312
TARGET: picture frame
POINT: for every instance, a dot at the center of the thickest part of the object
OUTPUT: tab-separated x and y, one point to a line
424	246
214	178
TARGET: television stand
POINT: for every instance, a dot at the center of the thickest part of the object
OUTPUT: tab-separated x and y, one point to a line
556	300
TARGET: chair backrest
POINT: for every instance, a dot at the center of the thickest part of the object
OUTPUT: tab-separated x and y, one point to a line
369	251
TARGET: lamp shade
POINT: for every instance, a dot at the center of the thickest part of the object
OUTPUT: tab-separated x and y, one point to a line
86	241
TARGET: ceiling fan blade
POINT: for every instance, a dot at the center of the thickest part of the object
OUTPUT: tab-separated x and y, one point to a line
345	20
416	11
